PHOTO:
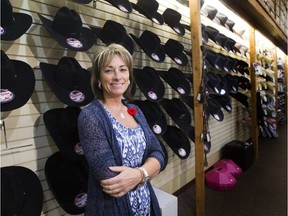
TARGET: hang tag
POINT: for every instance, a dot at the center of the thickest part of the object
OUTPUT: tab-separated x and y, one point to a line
208	137
200	95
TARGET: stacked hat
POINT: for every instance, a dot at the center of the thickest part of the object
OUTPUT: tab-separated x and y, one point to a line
63	128
21	192
150	43
212	58
209	11
149	83
220	18
177	80
68	180
175	50
242	98
178	111
232	83
13	24
223	100
69	81
114	32
123	5
211	32
214	109
221	40
154	115
17	83
66	28
172	18
177	141
149	10
216	83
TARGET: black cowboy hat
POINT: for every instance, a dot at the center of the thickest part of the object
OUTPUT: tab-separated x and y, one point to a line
211	32
177	80
149	83
114	32
175	50
68	180
123	5
215	83
214	109
154	115
21	192
242	98
172	18
223	100
232	82
204	35
69	81
177	141
242	67
66	28
149	10
188	100
243	82
150	43
212	58
13	24
62	126
178	111
221	40
17	83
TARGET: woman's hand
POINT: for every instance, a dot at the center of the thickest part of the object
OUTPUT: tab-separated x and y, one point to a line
121	184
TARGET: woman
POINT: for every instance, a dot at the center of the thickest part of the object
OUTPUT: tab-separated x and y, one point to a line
121	150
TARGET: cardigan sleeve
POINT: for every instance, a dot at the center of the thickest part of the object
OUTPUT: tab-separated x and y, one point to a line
96	147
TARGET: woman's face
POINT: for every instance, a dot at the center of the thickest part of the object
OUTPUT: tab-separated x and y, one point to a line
114	78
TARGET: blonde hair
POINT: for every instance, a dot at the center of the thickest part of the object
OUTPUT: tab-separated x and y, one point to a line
104	57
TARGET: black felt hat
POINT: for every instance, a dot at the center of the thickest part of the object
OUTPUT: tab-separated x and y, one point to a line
230	44
172	18
209	11
242	98
221	40
243	82
154	115
177	110
68	180
66	28
150	43
114	32
175	50
188	99
204	34
123	5
17	83
177	80
177	141
214	109
242	67
215	82
223	100
149	83
211	32
212	58
232	82
21	192
62	126
13	24
149	10
69	81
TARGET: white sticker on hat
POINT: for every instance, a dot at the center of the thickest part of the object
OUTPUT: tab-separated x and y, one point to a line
228	107
77	96
155	56
73	42
182	152
155	20
216	90
78	149
157	129
122	8
80	200
222	92
178	61
2	31
176	29
216	117
152	95
180	90
6	96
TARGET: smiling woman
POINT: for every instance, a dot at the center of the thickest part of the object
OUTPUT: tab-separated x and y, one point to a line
121	150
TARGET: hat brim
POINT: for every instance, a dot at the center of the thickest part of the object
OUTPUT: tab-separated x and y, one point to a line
62	93
68	181
86	37
21	24
149	83
21	191
160	52
123	5
64	119
214	108
22	87
177	141
156	17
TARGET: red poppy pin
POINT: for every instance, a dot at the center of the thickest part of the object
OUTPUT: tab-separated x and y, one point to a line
132	111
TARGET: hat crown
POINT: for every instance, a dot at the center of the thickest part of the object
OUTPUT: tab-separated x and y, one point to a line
174	46
68	73
151	40
113	32
6	13
151	5
8	71
67	22
171	16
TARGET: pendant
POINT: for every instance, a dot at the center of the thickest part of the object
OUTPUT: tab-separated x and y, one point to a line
122	115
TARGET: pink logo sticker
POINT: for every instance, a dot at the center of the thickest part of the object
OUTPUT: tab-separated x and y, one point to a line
73	42
77	96
80	200
6	96
78	149
2	31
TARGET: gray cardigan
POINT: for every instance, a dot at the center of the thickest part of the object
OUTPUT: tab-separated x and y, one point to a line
101	151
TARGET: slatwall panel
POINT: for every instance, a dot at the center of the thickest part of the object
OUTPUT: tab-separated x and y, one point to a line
28	142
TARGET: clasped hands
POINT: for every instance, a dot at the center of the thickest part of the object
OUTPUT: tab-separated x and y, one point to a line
121	184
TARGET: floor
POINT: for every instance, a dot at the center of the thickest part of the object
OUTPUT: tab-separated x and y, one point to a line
260	191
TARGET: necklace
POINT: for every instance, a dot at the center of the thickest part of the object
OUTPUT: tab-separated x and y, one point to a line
120	112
